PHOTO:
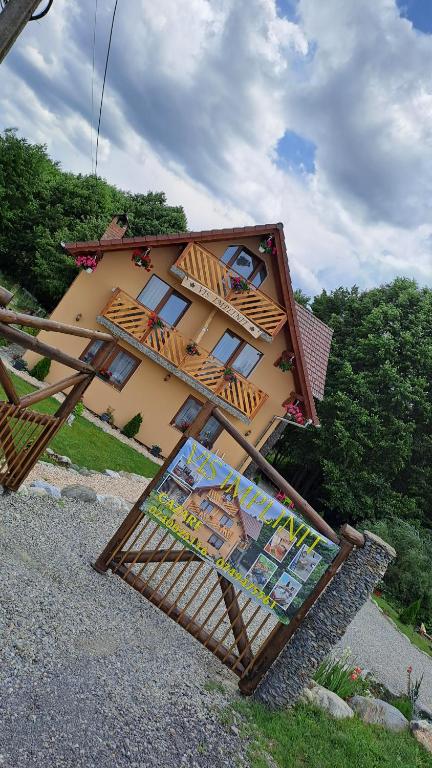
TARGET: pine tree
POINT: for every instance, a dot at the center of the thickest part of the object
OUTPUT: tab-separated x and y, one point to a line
41	369
133	426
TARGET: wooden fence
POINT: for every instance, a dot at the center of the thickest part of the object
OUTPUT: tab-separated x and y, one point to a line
25	433
244	636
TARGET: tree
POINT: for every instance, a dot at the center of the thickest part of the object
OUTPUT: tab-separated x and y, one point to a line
43	206
133	426
372	457
41	369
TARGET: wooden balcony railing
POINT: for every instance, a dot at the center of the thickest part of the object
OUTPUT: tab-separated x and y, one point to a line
131	316
198	263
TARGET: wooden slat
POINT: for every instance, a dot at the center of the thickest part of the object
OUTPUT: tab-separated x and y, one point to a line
7	384
30	342
52	389
30	321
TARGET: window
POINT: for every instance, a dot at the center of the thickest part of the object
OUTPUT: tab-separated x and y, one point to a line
226	521
206	506
215	541
160	298
117	369
186	415
236	353
245	263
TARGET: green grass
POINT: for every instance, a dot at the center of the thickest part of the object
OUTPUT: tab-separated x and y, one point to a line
416	639
307	738
87	445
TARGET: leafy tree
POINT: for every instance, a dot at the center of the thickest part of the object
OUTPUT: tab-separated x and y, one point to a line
410	613
43	206
133	426
372	457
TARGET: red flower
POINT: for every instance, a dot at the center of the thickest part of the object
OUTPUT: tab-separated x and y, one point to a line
410	669
354	676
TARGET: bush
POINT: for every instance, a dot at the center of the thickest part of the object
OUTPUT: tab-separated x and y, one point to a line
41	369
133	426
404	705
410	573
409	614
79	408
339	676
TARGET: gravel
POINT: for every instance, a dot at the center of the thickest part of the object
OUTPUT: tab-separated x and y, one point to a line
126	488
380	648
91	673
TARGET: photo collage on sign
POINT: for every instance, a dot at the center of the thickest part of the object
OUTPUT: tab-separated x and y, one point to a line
255	541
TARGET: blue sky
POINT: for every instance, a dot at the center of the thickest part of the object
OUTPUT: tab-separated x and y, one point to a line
314	113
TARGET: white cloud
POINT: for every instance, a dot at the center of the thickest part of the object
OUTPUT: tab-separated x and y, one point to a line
198	94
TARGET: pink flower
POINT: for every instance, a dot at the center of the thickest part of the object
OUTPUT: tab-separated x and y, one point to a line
354	676
410	669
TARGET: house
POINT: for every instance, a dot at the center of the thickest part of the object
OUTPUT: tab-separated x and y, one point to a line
197	315
224	525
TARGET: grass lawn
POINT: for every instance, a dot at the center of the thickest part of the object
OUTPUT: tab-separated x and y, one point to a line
416	639
86	444
307	738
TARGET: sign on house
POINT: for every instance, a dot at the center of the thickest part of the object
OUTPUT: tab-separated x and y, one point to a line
224	306
262	546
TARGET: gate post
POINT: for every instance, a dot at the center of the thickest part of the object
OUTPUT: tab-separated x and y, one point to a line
326	623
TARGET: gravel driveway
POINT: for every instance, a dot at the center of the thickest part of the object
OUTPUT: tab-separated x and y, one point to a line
90	673
379	647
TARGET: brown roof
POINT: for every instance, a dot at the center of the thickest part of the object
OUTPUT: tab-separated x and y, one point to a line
316	339
310	369
251	525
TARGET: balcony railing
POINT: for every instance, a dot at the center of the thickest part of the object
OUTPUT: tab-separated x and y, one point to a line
133	318
263	316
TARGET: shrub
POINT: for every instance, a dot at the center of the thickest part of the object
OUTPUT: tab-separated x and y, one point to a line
410	573
41	369
404	705
133	426
339	676
410	613
79	408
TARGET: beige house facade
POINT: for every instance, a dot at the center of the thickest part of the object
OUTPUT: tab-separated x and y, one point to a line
197	316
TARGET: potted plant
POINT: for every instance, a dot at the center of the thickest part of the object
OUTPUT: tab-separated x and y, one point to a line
155	450
240	285
87	261
141	258
285	362
105	374
229	375
294	413
184	425
154	321
19	364
108	415
192	349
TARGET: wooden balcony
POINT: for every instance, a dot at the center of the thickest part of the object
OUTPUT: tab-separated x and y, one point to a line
207	276
168	347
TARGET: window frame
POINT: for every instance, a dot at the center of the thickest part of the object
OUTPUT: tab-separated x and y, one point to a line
231	360
171	291
261	263
228	519
219	538
116	351
201	404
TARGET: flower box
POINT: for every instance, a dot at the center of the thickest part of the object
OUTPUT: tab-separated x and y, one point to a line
141	258
240	285
229	375
192	349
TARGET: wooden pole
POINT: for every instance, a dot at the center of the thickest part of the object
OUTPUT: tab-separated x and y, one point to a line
41	394
129	523
30	342
12	22
301	503
19	318
5	296
7	385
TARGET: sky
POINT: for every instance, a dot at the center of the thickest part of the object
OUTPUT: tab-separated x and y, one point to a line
316	114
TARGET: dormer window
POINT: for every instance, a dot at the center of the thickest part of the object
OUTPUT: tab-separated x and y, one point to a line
246	264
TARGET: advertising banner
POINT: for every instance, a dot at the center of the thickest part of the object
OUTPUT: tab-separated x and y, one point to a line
262	546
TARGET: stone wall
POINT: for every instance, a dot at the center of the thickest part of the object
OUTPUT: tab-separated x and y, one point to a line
326	623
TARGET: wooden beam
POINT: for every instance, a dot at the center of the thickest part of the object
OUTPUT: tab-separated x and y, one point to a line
155	556
301	503
19	318
7	385
5	296
354	537
41	394
30	342
236	620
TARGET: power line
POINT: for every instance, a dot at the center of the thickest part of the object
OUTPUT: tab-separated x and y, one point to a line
103	85
92	85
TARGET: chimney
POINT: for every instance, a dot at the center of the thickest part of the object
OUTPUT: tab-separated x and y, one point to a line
116	228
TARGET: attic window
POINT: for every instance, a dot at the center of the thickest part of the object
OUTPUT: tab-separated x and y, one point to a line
246	264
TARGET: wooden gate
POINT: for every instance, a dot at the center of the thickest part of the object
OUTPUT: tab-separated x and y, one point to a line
25	433
244	635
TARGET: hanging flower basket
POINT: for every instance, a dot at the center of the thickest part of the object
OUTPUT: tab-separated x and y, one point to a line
154	321
105	373
268	245
141	258
192	349
294	413
285	362
229	375
184	425
240	285
87	262
284	499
